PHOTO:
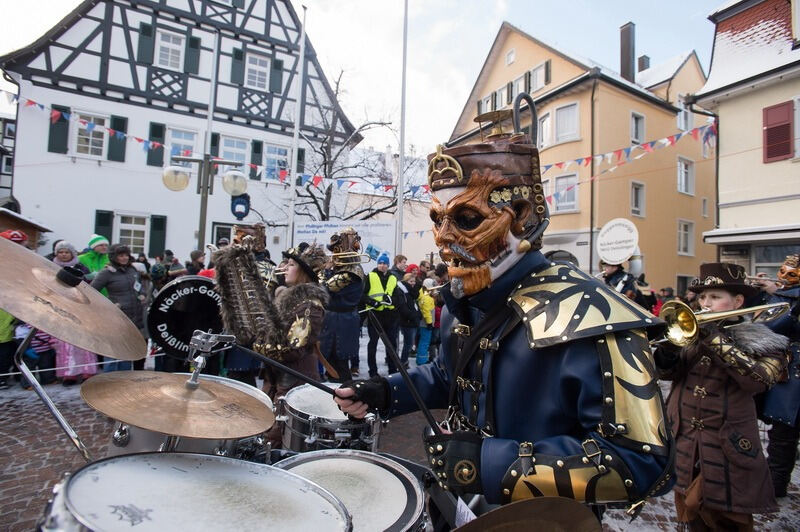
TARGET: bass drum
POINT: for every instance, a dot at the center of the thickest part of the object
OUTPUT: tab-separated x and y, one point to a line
127	439
180	491
379	493
188	303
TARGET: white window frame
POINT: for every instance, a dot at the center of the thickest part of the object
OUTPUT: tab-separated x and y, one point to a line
704	207
640	139
557	137
689	232
486	104
641	210
7	164
222	153
171	143
8	126
257	69
501	97
517	86
546	187
277	157
689	189
99	129
511	55
119	226
684	116
171	47
545	131
558	206
540	69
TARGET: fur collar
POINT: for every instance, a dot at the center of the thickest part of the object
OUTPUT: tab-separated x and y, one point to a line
758	339
291	297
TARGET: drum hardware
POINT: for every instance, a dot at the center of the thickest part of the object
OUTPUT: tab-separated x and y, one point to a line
205	344
121	436
683	324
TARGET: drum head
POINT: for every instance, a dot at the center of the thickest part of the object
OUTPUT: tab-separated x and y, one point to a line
379	493
182	491
315	402
183	305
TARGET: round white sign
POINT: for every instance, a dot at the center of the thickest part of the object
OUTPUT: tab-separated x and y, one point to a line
617	241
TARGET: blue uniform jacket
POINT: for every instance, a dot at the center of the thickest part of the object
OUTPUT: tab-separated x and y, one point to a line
782	401
550	396
342	324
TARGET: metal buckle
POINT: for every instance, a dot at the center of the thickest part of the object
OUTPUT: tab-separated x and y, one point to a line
470	385
595	449
697	423
487	343
525	449
699	390
462	330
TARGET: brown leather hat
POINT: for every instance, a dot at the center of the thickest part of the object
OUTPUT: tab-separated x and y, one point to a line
724	276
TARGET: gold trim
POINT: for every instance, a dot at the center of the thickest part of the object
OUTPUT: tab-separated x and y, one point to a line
450	165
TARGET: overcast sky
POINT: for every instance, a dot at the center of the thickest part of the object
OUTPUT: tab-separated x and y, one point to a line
448	40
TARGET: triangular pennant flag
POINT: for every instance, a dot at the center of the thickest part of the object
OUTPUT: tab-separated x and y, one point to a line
282	175
694	133
54	116
421	233
549	199
579	162
387	188
598	158
90	126
647	147
671	140
188	152
40	106
618	154
414	189
120	135
426	188
547	167
587	160
352	183
640	155
627	153
29	103
376	186
339	183
317	180
567	164
146	145
559	165
175	150
405	235
304	178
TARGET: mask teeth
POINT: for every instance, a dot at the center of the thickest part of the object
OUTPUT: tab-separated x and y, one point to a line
455	248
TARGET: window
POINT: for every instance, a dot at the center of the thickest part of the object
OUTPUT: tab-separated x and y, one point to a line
637	199
544	131
170	50
685	176
683	283
704	208
501	97
232	149
276	158
537	78
518	86
796	108
684	116
132	232
10	130
637	128
768	259
685	237
257	76
778	132
181	142
567	123
566	193
90	135
486	104
510	56
7	164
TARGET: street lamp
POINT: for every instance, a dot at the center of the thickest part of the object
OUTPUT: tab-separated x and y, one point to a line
176	178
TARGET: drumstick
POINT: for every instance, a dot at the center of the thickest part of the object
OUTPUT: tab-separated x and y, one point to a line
277	365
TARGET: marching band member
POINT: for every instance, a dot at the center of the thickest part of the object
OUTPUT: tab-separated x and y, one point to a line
618	279
782	401
722	475
547	374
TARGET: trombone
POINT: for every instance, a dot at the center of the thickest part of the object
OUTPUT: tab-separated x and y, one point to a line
753	280
347	258
683	324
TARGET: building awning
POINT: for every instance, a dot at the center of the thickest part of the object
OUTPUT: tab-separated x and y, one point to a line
25	219
752	234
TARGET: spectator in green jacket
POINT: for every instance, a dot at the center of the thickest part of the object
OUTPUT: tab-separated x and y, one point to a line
97	257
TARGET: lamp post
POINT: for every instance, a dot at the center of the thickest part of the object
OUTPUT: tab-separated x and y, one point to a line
176	178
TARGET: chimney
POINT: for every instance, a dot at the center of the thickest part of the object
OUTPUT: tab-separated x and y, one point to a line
644	63
627	52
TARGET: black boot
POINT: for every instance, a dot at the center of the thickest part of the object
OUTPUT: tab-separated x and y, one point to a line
782	451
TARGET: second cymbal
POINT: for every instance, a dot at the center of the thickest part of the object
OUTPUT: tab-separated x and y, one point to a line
161	402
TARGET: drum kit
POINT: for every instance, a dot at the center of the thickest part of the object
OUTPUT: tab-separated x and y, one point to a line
188	450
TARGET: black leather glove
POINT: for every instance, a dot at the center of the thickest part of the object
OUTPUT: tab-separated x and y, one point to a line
455	460
374	392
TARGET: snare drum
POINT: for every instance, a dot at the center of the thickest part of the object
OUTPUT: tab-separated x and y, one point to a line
379	493
311	420
127	439
181	491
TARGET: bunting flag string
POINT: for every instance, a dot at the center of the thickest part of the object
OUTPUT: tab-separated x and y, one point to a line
619	156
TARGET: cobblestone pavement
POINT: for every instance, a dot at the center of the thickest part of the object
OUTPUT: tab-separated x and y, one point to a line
35	453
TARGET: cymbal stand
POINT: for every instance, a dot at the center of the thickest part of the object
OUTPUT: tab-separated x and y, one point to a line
203	344
63	423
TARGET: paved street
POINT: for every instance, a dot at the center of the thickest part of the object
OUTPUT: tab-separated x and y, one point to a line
35	454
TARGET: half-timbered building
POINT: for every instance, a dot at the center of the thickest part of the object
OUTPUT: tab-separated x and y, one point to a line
120	86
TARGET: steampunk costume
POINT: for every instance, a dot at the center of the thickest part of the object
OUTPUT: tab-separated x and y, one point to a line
344	282
546	373
722	474
782	402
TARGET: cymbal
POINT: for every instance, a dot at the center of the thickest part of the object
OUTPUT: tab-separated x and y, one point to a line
78	315
541	513
161	402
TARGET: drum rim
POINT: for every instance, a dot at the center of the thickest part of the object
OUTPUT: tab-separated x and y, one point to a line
332	499
411	484
305	416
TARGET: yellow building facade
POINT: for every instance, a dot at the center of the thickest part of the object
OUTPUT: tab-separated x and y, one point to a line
587	111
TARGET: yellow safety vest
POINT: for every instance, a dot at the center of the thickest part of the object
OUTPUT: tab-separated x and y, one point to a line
377	291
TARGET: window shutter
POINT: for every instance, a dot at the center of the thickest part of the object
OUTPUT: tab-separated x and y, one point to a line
256	149
116	145
158	235
528	81
494	100
509	92
479	108
191	65
778	132
155	156
104	224
238	4
215	144
59	132
146	42
547	72
237	66
301	160
276	76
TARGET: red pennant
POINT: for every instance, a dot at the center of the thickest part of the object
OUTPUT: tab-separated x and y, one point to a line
186	153
282	175
317	180
352	183
426	188
253	166
387	188
587	160
111	132
559	165
549	198
618	155
29	103
647	147
671	140
695	133
54	116
137	139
